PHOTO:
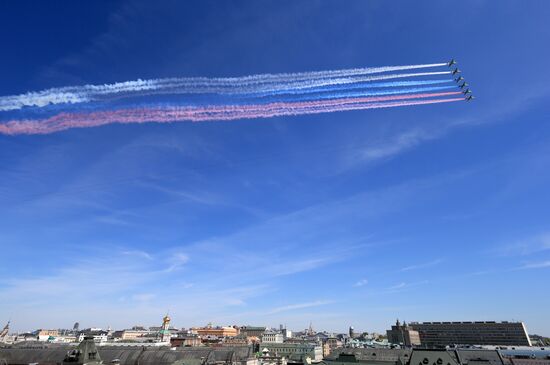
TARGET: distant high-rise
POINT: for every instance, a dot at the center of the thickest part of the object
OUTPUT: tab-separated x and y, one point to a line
351	332
76	326
438	334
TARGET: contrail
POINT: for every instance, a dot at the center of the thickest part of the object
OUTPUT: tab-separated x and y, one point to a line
232	85
235	89
65	121
361	93
360	85
200	99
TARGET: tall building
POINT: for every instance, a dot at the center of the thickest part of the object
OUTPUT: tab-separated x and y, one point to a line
403	334
439	334
287	334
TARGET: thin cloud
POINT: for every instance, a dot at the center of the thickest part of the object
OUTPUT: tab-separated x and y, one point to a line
526	246
361	282
177	260
403	286
399	143
292	307
137	253
422	266
535	265
397	286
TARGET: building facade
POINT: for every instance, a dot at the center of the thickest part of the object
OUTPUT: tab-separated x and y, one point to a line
293	350
216	331
45	335
272	337
404	335
99	336
330	344
253	331
185	340
440	334
129	335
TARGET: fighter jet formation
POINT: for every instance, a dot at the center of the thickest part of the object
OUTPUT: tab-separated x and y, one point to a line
201	99
463	86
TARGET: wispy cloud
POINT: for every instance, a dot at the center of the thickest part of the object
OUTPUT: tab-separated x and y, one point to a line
403	286
527	246
292	307
406	139
397	144
177	260
534	265
138	253
397	286
123	284
361	282
422	265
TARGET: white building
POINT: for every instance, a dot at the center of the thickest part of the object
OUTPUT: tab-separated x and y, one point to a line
272	337
287	333
294	350
99	336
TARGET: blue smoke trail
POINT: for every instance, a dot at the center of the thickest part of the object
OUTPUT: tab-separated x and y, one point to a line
317	96
362	85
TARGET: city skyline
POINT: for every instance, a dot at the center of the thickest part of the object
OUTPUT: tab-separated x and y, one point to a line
425	213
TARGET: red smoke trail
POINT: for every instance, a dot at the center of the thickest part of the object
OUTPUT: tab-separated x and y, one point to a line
64	121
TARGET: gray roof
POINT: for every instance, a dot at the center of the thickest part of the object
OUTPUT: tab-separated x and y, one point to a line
130	355
490	357
372	354
27	356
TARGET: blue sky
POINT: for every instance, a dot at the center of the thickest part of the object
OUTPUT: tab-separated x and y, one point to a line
435	212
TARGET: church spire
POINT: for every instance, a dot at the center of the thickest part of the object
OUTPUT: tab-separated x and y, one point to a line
5	331
165	329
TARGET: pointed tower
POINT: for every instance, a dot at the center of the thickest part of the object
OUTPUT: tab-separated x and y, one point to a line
310	331
5	331
165	329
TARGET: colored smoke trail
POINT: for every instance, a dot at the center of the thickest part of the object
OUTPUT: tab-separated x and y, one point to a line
236	89
212	113
362	93
237	85
199	99
360	85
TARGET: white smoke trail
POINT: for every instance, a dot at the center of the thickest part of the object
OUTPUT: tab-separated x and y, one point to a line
230	85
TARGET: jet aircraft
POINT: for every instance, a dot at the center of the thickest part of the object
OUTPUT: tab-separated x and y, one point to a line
467	91
469	98
451	62
464	84
458	79
455	71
